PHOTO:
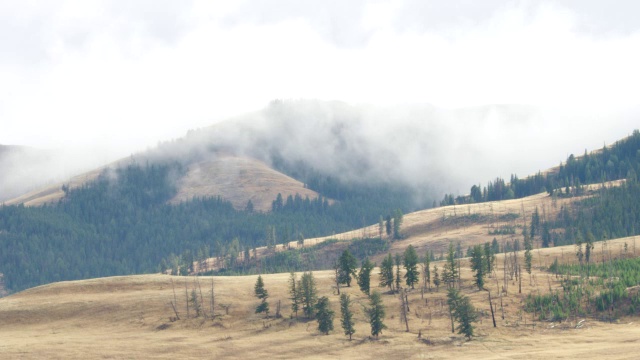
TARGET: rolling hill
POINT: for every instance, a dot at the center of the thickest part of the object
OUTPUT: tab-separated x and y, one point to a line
129	317
235	178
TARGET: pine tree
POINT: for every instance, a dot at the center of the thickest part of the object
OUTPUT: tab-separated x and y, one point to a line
364	276
411	266
450	272
262	294
398	275
397	222
324	315
426	271
195	303
348	265
294	293
436	277
376	314
308	294
347	315
587	249
478	265
528	257
386	272
462	311
489	258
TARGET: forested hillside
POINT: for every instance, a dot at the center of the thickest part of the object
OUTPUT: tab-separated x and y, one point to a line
121	224
619	161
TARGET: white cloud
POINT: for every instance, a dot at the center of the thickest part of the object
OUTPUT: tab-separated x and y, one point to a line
124	75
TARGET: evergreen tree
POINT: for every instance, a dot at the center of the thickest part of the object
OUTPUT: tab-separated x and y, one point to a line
262	294
462	311
195	303
450	272
489	258
426	271
535	223
386	272
294	293
347	322
436	277
364	276
308	294
411	266
478	265
587	250
388	225
348	265
398	275
397	222
528	257
376	314
324	315
546	235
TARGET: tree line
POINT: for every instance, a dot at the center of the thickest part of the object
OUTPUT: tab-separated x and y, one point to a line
121	224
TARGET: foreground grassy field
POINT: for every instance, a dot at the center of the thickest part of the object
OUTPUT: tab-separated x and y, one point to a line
128	317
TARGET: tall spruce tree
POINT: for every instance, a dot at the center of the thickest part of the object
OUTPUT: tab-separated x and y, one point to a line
398	275
364	276
308	294
262	294
346	320
478	266
386	272
348	265
294	293
412	275
450	271
426	271
397	222
376	313
462	311
324	315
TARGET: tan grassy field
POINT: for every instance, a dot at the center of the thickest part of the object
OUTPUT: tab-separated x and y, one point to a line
128	317
238	180
234	178
434	229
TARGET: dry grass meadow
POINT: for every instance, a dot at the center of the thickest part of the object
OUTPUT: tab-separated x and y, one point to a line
129	317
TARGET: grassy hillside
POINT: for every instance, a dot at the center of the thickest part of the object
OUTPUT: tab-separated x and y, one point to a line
128	317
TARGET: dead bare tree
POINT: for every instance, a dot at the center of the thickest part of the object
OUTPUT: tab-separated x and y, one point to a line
186	296
201	298
491	307
175	301
212	302
404	308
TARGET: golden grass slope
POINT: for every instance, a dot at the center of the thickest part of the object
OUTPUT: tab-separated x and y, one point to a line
238	180
434	229
235	178
128	317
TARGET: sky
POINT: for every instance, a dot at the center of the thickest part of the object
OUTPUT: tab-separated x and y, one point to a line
111	78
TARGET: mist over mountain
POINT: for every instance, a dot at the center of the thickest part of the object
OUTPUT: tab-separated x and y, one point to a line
432	150
23	168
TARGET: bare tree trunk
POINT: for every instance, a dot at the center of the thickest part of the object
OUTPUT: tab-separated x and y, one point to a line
519	280
491	307
212	302
175	300
186	296
201	298
404	310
